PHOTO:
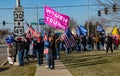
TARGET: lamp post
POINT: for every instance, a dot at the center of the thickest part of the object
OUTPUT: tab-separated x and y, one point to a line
88	17
37	26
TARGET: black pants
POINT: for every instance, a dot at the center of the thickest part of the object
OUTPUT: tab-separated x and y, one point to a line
109	46
51	61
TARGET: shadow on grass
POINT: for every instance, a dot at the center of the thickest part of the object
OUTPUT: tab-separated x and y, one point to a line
83	64
73	61
3	69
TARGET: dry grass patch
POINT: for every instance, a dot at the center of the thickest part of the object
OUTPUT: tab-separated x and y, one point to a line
94	63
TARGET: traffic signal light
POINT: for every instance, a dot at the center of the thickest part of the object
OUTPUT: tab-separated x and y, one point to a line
106	10
3	23
99	13
114	8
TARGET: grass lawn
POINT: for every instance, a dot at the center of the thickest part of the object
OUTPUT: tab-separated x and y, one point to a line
93	63
27	70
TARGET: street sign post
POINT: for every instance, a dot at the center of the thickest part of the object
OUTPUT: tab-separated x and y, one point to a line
19	22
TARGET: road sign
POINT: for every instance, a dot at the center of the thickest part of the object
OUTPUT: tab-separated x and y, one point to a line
19	31
34	23
41	21
18	15
18	23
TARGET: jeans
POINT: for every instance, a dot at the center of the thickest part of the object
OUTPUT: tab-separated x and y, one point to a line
20	57
38	56
46	55
51	62
66	49
26	54
57	53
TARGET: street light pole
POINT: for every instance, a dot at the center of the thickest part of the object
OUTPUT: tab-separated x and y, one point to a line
88	17
37	26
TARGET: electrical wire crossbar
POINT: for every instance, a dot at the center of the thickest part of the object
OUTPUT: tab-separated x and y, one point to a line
70	6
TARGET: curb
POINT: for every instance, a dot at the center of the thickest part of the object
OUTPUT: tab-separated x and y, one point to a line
5	62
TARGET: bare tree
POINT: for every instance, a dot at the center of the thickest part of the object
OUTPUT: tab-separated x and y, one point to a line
111	16
72	22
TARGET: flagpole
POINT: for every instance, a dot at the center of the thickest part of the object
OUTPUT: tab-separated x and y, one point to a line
88	17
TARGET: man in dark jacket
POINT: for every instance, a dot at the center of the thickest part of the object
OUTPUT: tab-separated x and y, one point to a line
51	53
109	43
26	48
37	48
20	48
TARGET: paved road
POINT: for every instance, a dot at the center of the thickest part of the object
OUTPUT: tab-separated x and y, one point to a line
3	54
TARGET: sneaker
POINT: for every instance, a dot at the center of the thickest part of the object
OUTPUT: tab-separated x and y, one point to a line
38	65
46	66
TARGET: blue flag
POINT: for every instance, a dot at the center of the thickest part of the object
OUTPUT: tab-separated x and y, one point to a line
68	32
99	28
81	30
9	39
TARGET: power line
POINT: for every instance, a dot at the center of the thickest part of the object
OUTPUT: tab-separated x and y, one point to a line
69	6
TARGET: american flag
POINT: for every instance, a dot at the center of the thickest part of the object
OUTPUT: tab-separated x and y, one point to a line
68	38
30	33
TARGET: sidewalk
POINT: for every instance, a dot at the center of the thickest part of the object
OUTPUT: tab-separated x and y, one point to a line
60	70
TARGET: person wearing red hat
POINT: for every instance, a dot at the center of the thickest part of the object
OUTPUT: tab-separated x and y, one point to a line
37	48
20	49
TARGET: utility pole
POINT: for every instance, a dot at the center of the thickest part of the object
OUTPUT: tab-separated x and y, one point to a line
17	3
37	26
88	18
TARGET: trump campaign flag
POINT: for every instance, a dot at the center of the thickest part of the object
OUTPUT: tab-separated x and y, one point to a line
68	38
55	19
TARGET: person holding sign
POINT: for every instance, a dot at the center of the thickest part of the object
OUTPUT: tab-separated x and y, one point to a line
10	53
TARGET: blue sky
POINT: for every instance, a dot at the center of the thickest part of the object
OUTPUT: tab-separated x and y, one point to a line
79	14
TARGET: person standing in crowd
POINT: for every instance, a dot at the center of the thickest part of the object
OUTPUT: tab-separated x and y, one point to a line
51	62
89	43
77	47
37	48
46	48
26	48
16	51
109	43
30	53
42	49
34	41
97	40
20	48
116	43
57	48
102	42
11	52
84	43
